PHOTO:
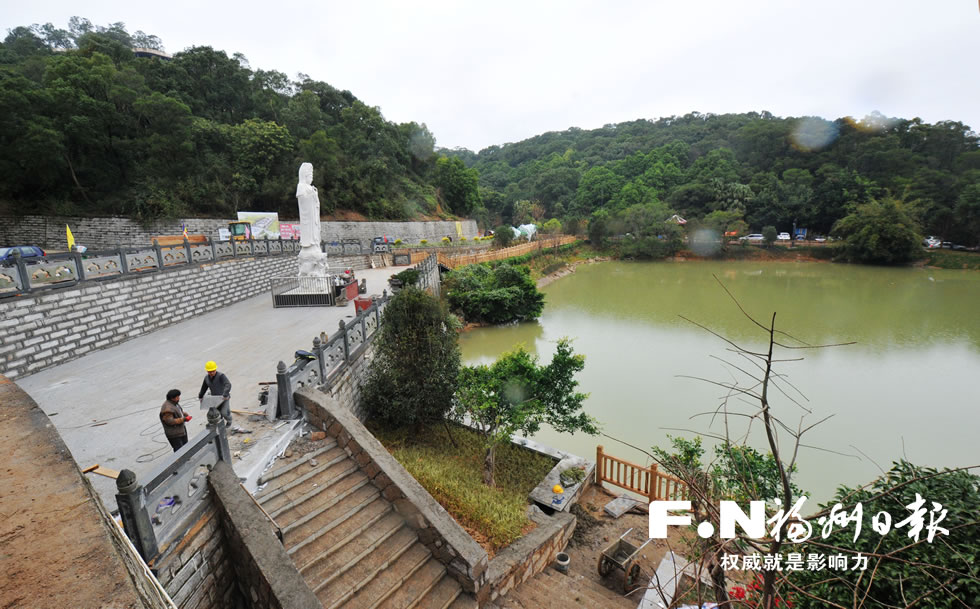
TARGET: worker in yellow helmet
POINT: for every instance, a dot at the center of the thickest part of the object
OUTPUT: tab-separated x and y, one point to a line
219	384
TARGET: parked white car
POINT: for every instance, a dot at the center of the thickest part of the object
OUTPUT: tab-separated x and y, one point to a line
782	237
753	237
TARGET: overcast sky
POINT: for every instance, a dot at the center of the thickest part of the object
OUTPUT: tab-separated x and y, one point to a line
483	73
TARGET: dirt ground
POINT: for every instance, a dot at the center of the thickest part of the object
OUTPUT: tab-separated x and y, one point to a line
588	543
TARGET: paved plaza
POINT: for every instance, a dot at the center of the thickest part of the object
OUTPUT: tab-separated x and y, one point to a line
105	404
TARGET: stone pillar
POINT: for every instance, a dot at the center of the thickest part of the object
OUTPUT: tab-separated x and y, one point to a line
136	520
285	390
216	423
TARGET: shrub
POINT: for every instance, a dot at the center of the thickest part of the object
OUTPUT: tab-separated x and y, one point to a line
503	235
496	295
407	277
414	372
398	242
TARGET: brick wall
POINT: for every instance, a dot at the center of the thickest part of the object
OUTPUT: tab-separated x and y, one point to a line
197	572
46	329
100	233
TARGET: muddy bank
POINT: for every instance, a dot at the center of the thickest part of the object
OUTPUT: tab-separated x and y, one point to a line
568	270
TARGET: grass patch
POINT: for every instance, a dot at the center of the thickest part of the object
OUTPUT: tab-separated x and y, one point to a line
495	517
949	259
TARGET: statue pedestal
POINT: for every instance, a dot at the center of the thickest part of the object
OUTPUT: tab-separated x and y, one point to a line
312	262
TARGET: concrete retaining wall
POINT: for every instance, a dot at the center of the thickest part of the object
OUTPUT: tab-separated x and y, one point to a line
101	233
46	329
197	572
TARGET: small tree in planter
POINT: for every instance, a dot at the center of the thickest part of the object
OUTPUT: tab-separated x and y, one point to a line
515	394
415	369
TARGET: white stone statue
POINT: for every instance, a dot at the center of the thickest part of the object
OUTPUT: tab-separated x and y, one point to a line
312	261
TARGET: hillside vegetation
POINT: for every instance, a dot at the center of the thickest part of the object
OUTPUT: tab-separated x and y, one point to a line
738	172
87	127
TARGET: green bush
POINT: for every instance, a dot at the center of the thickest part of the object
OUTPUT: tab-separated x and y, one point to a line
415	369
496	295
503	235
407	277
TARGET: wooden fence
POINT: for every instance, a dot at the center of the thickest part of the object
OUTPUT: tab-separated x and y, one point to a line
453	260
646	481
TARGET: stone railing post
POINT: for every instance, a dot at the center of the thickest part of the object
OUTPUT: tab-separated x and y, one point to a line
25	278
187	250
122	259
216	423
159	252
251	243
214	249
343	331
267	251
285	390
318	351
136	520
79	265
364	335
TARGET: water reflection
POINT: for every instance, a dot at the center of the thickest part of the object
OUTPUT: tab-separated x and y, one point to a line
907	388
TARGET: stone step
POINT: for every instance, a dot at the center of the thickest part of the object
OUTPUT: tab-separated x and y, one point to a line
464	601
314	506
320	489
372	546
341	590
289	465
387	581
441	595
299	477
412	589
590	593
326	553
362	506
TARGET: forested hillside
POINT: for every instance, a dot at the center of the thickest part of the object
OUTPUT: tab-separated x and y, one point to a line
740	170
88	128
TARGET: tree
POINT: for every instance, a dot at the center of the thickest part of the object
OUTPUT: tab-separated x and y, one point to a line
551	227
503	235
907	569
497	295
415	369
769	234
879	233
598	227
457	184
516	395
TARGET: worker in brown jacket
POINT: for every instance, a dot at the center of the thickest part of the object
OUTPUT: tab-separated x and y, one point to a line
173	418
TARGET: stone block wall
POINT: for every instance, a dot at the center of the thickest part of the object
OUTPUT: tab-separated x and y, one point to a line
530	554
197	571
49	328
101	233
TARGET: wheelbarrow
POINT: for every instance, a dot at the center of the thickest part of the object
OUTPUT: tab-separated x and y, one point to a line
622	555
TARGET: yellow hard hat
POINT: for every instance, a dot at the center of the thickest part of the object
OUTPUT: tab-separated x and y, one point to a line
557	489
210	366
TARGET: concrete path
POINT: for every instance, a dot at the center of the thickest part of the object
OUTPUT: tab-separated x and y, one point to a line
105	405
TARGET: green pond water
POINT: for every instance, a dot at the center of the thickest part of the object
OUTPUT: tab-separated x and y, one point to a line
910	386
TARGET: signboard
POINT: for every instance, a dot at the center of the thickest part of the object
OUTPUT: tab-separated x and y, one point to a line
263	223
224	234
288	231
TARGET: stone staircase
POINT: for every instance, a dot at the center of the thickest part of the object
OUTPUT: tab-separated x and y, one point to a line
553	590
348	542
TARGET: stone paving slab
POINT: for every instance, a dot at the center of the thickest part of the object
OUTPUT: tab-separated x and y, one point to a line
105	405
